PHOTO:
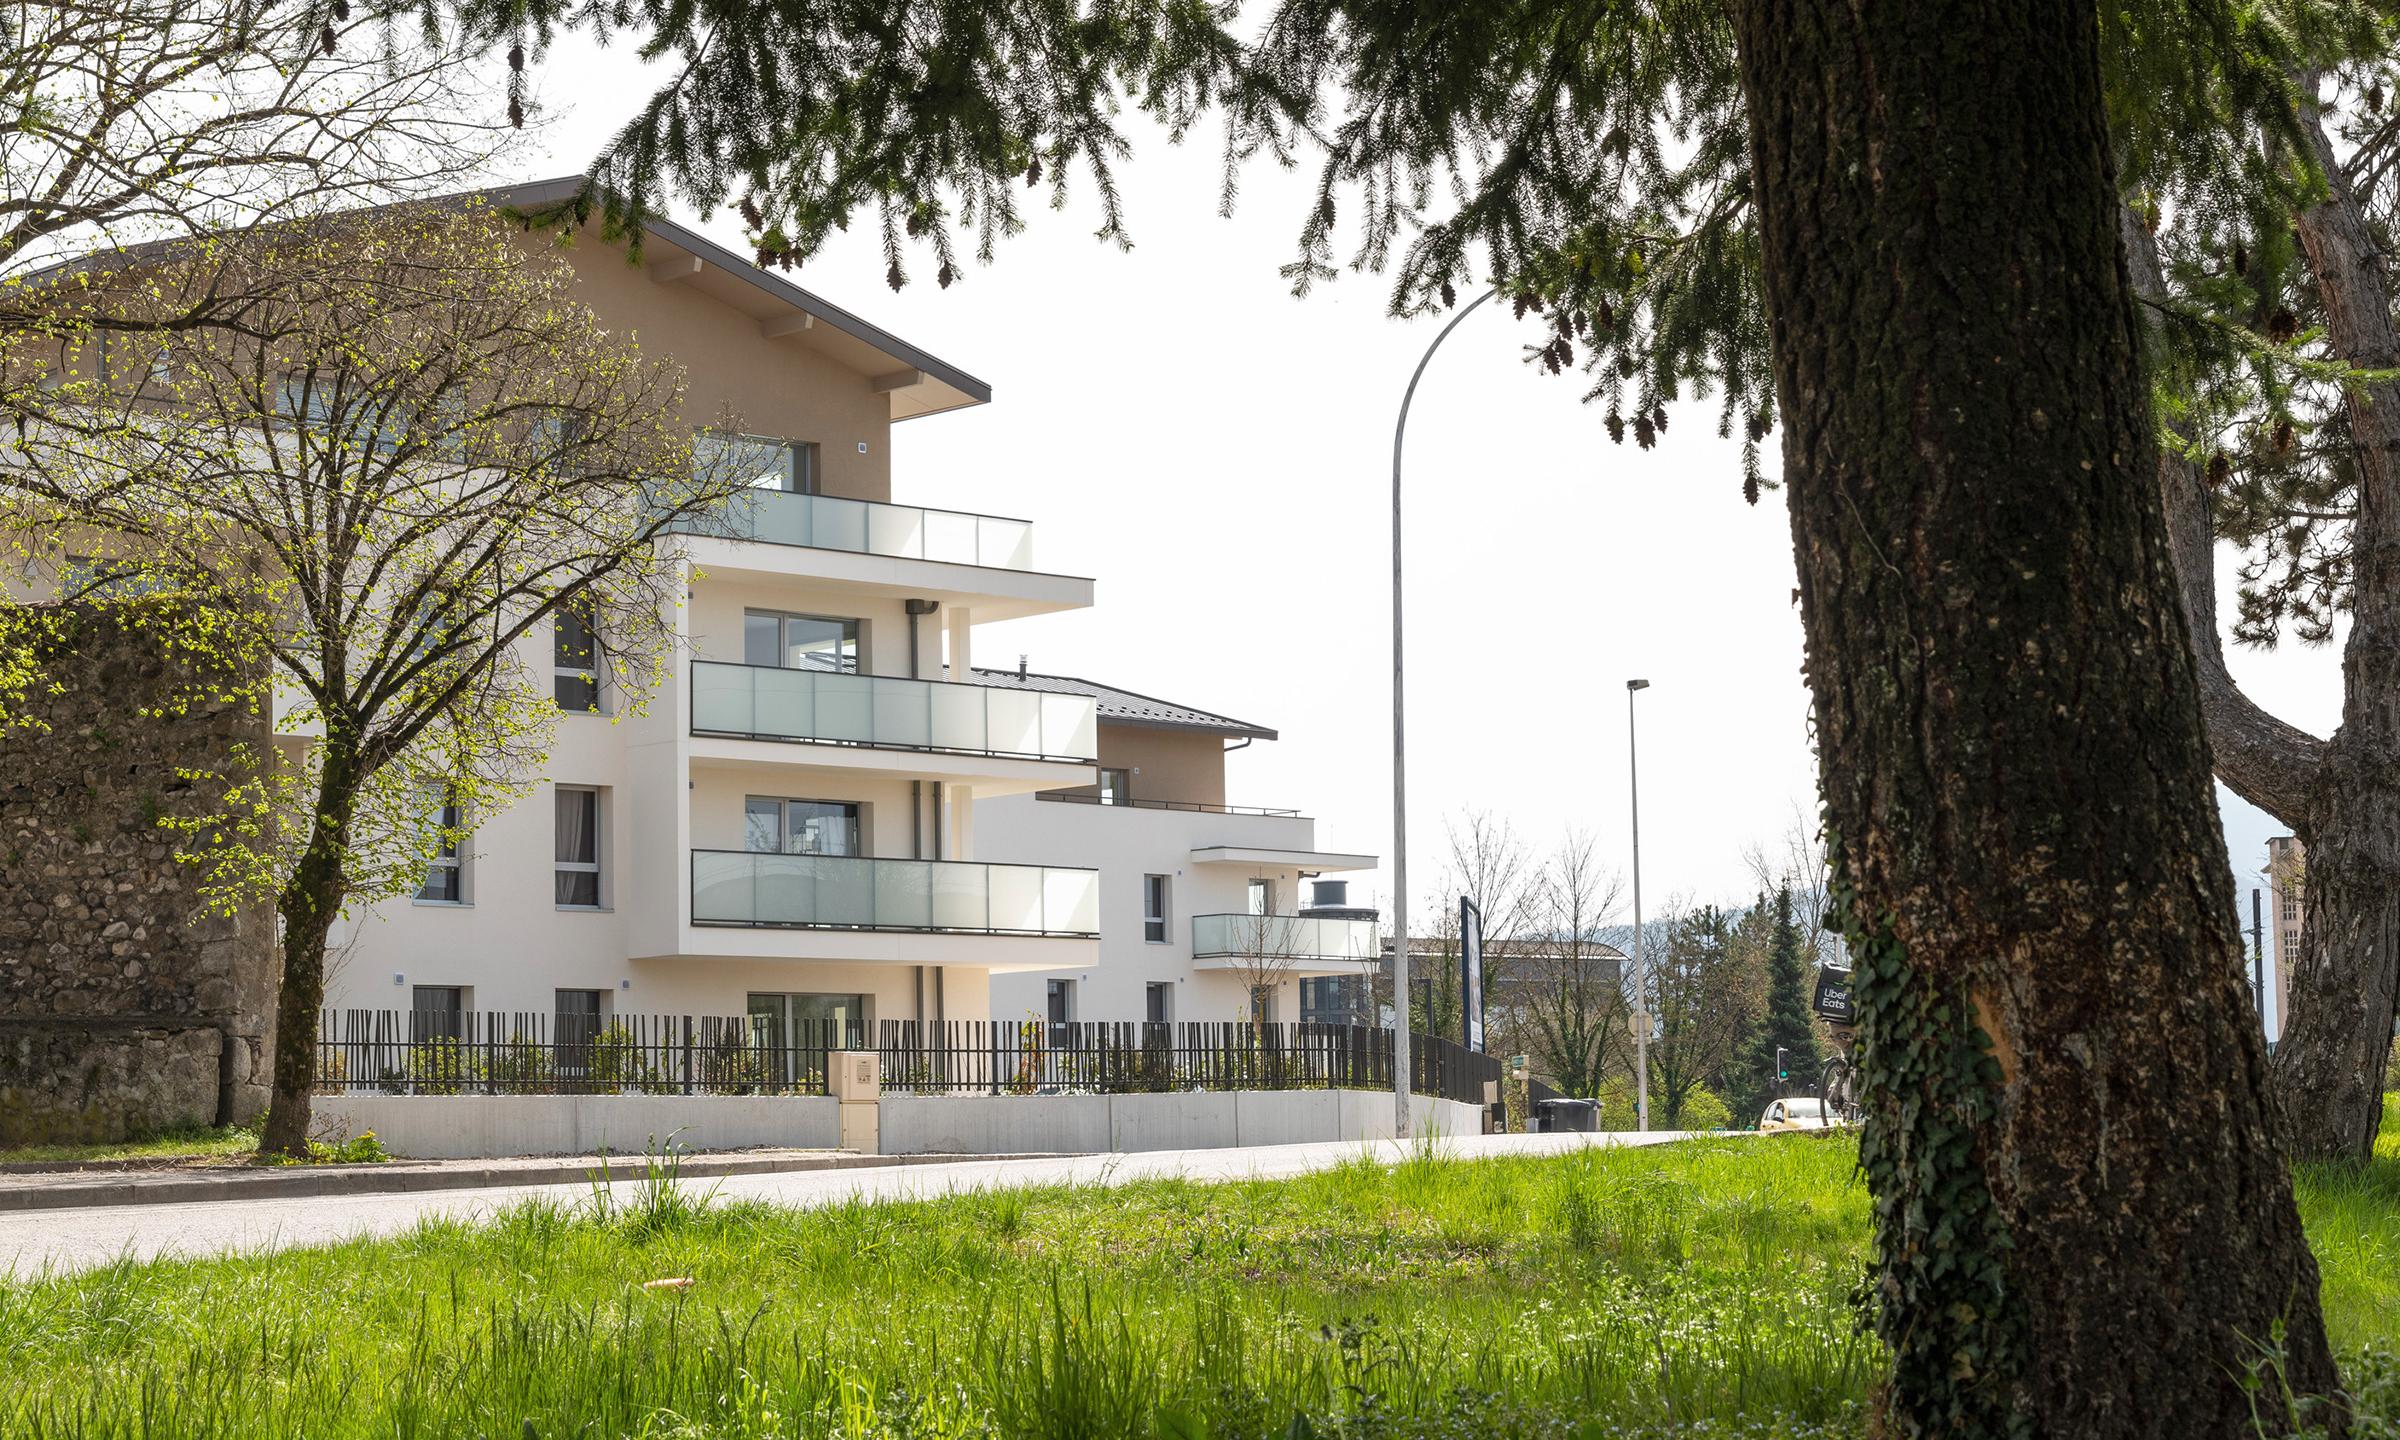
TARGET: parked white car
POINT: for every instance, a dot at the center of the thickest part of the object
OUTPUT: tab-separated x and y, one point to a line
1805	1113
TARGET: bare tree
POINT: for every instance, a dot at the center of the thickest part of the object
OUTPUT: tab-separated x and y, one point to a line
1266	950
138	120
1569	1005
1794	859
399	447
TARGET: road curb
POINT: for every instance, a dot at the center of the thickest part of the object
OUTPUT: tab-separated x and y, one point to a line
310	1182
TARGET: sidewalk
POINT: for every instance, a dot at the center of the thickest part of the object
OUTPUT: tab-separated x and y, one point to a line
134	1183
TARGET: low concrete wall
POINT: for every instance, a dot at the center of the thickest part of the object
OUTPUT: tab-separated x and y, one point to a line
465	1127
457	1127
1183	1120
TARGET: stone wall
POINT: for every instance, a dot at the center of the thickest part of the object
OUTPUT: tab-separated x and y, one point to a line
124	1006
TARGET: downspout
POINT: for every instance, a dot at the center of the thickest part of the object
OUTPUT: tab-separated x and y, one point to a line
917	609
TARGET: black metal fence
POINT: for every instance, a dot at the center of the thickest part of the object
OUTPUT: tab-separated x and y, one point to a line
434	1052
453	1052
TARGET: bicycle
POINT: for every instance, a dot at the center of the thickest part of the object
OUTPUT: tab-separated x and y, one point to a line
1838	1085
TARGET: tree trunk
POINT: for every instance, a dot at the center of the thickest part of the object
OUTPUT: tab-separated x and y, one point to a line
2084	1226
2338	1024
310	902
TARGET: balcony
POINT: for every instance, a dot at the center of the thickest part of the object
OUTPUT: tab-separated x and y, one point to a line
824	707
854	892
869	527
1279	938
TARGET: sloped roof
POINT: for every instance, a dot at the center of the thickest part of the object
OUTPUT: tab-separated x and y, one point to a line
1126	707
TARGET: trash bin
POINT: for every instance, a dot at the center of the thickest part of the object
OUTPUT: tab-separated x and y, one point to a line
1567	1117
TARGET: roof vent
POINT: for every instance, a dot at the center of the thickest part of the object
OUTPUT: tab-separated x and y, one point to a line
1329	895
1020	667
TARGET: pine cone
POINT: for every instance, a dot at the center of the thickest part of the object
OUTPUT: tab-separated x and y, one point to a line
1033	173
943	277
325	38
1644	434
2241	258
750	214
2220	470
2284	437
1658	417
1616	428
516	58
1520	307
1449	296
341	11
1608	317
2375	98
516	111
894	278
2282	326
1750	488
916	224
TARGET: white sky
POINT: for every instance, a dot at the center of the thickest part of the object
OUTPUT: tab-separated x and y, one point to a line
1217	454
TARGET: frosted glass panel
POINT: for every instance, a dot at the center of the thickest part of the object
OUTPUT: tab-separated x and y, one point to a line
776	704
732	887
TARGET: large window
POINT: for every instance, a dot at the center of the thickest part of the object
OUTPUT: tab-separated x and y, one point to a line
1262	897
1158	1002
796	1031
1060	1002
799	642
759	460
575	659
800	827
577	870
445	870
1154	909
1115	787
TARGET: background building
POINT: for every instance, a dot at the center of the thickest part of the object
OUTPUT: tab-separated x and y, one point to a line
1208	911
2286	862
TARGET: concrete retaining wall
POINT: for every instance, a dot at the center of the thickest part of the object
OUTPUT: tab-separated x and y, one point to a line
1193	1120
458	1127
455	1127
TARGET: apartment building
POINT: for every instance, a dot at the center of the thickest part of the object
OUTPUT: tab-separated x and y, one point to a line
1208	911
2287	861
788	829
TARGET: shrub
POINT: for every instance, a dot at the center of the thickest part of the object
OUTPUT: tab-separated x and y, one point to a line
443	1066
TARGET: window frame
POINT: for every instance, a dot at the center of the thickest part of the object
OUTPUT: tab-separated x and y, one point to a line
783	825
1155	991
597	866
803	475
855	636
1120	790
1158	910
449	813
588	673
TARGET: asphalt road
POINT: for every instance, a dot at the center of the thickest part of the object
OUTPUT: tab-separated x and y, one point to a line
32	1242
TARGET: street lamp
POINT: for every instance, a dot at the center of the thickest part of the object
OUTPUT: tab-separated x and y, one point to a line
1400	1056
1641	982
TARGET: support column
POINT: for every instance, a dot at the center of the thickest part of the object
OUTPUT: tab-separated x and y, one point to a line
962	821
960	621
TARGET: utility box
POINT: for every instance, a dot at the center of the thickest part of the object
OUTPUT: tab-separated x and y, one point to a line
856	1079
855	1075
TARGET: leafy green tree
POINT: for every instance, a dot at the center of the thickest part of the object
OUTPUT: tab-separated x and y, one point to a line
1786	1024
398	451
1886	232
1701	1000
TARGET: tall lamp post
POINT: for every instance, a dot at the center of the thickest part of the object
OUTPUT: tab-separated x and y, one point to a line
1400	1057
1641	979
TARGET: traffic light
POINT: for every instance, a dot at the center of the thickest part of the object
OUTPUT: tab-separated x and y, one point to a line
1783	1071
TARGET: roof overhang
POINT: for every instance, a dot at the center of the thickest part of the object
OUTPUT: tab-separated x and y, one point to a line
916	381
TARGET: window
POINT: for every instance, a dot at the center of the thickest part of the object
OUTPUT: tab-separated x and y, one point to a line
445	871
1334	1000
1061	1001
2291	906
796	1031
758	460
578	848
1262	1004
800	827
438	1012
578	1025
800	642
1154	909
1115	787
575	658
1158	1002
1262	897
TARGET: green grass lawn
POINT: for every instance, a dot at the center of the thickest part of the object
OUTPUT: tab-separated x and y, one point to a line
216	1144
1600	1293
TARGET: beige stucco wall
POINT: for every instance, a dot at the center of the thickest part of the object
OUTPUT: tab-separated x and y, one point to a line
1169	764
777	387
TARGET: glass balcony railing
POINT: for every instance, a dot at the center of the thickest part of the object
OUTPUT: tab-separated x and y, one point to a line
760	702
855	892
1284	937
868	527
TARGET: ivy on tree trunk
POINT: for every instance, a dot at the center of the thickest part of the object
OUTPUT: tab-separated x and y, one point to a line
2084	1223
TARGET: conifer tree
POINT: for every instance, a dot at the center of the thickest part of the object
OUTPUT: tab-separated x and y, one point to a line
1785	1028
